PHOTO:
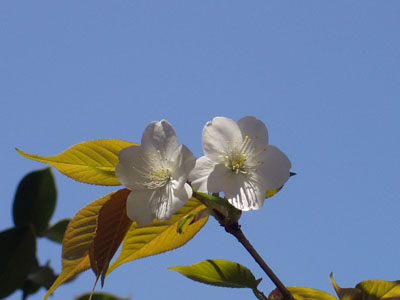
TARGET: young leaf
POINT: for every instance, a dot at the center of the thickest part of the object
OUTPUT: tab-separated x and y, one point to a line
35	200
159	237
219	272
77	241
17	257
380	289
100	296
112	225
91	162
303	293
346	293
57	231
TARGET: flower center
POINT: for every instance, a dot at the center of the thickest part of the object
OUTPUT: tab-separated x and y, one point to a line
157	173
237	160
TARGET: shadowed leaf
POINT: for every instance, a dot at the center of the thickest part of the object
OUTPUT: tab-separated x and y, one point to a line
219	272
57	231
39	276
91	162
100	296
77	241
17	257
112	225
35	200
159	237
346	293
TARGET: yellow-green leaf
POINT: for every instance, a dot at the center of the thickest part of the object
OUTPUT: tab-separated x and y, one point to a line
305	293
219	272
91	162
302	293
159	237
346	293
271	193
380	289
77	241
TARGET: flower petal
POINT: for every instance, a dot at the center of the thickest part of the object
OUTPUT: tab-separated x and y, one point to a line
244	194
160	136
199	175
219	178
254	128
166	201
184	163
275	170
138	207
218	135
130	161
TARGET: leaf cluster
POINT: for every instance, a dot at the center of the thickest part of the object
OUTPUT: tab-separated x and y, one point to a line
33	207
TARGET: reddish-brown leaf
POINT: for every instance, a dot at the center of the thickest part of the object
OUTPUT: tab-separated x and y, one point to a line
112	225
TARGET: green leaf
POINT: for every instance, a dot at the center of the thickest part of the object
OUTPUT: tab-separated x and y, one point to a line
159	237
35	200
91	162
219	272
100	296
17	257
346	293
77	242
379	289
40	276
302	293
56	232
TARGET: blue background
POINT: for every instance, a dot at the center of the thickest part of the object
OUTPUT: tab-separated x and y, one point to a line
323	75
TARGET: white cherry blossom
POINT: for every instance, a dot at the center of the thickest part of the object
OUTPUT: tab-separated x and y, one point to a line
239	162
156	172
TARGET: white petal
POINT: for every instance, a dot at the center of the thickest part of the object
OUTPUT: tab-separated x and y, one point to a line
166	202
244	194
138	207
220	178
130	160
160	136
199	175
275	170
184	163
218	135
255	129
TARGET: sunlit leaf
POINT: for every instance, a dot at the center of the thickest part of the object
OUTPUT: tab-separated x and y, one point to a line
77	241
273	192
380	289
219	272
35	200
346	293
159	237
112	225
57	231
303	293
91	162
17	257
100	296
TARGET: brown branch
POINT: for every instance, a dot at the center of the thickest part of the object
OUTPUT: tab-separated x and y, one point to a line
235	230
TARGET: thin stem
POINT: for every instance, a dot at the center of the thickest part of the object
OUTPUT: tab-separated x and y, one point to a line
235	230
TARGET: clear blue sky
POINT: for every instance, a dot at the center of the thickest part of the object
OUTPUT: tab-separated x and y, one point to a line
323	75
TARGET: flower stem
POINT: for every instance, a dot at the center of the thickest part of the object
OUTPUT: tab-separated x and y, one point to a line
235	230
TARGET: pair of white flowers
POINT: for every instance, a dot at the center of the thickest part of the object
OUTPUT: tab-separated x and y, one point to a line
238	161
